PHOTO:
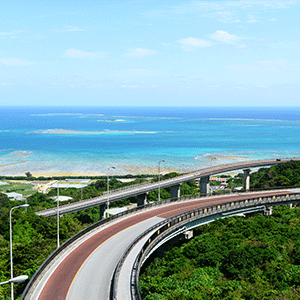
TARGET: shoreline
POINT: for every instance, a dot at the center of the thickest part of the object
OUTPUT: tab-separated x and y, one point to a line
208	160
73	168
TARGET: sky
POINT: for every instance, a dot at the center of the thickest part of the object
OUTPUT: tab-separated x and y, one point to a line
150	53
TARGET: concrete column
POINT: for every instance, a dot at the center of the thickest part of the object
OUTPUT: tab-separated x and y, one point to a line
204	185
291	205
142	199
102	208
268	211
246	181
175	191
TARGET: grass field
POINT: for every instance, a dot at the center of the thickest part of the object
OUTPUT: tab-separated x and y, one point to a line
18	187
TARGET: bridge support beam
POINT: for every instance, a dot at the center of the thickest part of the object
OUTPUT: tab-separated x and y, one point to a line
102	208
246	181
204	185
142	199
175	191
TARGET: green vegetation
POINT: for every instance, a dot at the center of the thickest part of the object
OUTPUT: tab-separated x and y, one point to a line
233	258
284	174
23	188
287	174
35	237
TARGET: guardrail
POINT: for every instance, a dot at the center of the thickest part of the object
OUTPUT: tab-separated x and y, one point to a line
204	170
168	225
169	182
54	255
50	260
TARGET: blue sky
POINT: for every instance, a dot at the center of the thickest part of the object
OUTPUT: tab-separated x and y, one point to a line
150	53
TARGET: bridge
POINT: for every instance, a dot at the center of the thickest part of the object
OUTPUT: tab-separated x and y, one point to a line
103	261
141	190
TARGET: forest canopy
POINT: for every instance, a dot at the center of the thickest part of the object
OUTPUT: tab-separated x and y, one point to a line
232	258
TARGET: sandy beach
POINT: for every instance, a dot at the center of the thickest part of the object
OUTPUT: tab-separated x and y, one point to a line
37	169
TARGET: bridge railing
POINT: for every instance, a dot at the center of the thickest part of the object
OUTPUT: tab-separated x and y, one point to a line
168	225
35	279
201	172
193	173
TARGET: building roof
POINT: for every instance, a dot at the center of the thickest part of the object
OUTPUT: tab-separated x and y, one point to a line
68	185
79	180
62	198
14	195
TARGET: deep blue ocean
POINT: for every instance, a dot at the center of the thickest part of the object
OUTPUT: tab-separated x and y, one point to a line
88	140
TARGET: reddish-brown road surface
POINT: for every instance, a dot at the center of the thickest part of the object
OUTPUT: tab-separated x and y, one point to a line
59	282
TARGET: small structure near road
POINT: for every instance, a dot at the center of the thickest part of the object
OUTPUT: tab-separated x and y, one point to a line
14	196
62	198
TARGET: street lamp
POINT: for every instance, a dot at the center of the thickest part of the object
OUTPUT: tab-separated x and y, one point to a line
57	200
159	178
11	256
108	186
17	279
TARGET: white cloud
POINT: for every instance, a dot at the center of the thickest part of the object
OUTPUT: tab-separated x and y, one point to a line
74	53
11	33
252	18
225	37
202	6
223	16
242	46
279	64
14	62
141	52
244	68
69	29
192	43
129	86
137	73
265	66
225	11
5	84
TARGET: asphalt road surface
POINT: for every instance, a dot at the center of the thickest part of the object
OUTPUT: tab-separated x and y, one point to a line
86	272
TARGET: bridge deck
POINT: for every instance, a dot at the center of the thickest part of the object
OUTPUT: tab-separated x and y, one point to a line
145	188
59	282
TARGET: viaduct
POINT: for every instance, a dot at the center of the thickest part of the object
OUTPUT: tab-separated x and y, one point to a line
142	190
103	261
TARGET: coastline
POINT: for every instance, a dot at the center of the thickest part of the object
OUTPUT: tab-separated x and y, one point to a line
76	169
80	141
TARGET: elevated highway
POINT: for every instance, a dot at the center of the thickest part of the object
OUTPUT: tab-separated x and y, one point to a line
84	267
174	183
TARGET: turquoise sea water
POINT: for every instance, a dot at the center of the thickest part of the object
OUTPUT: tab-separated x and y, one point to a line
88	140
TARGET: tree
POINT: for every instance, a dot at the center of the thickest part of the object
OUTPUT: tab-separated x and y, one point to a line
28	174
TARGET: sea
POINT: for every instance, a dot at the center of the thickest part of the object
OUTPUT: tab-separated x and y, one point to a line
51	141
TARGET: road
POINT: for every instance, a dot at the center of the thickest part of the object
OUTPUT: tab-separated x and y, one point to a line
81	272
145	188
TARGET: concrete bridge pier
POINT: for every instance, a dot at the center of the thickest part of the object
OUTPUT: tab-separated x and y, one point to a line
268	211
175	191
102	208
204	185
142	199
246	181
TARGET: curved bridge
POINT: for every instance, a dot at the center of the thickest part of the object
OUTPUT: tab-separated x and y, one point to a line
143	189
84	267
